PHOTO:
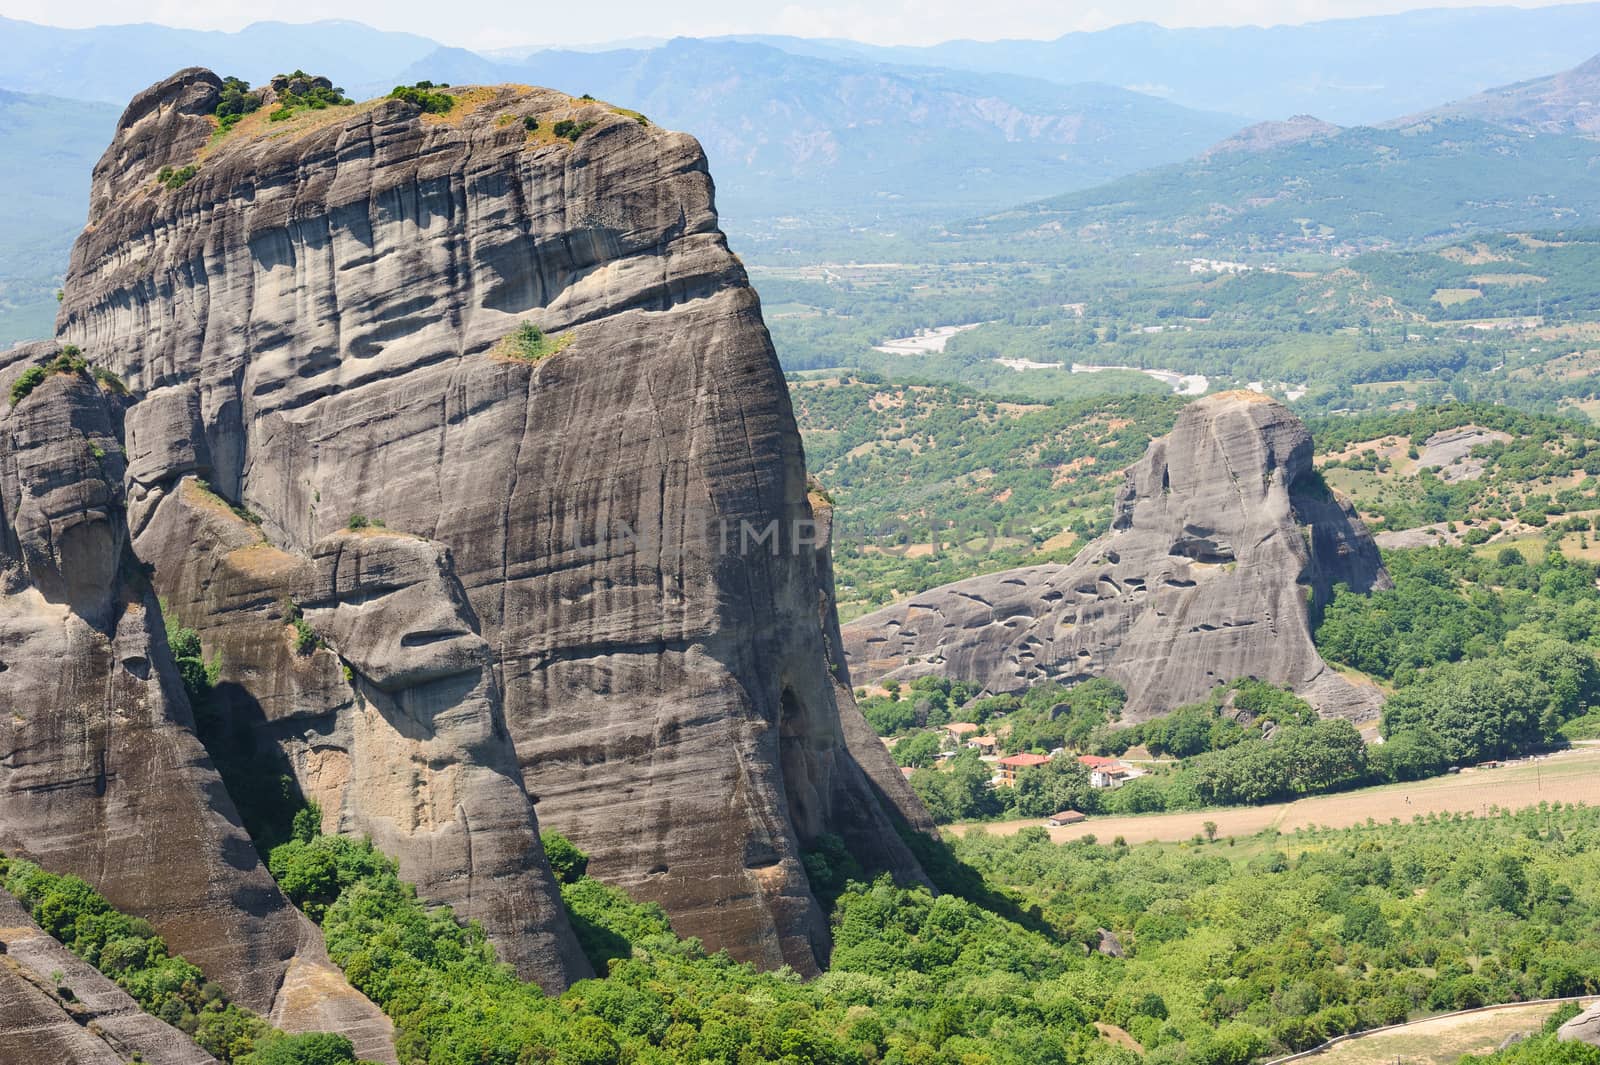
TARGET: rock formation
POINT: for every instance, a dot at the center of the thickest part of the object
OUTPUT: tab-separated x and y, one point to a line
599	584
1222	543
1584	1028
99	1024
381	705
101	774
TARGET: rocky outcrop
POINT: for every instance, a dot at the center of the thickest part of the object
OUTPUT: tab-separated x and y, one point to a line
94	1022
101	774
1223	542
1584	1028
611	537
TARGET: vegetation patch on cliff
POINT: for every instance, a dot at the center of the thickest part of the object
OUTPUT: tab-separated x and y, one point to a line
1230	950
424	97
70	360
305	92
529	343
236	101
572	129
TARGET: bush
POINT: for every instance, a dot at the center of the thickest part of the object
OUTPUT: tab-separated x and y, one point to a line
235	102
572	130
306	639
310	1048
530	343
566	860
23	386
176	179
68	360
305	92
421	97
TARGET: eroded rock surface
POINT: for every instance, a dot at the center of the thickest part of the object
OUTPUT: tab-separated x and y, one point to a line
317	317
99	1024
1222	541
382	706
101	774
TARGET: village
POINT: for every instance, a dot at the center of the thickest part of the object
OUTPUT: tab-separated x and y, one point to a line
1104	773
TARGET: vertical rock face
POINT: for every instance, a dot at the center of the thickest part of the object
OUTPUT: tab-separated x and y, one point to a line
608	552
1222	542
100	771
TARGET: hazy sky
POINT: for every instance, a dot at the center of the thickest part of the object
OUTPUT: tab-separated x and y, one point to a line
506	23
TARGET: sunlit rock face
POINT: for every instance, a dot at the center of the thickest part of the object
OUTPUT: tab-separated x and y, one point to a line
1223	542
313	323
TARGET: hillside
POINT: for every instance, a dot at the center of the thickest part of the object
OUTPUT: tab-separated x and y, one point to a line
47	147
797	140
1568	102
932	484
1338	192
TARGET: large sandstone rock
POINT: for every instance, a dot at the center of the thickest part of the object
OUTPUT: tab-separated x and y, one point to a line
315	317
102	775
1222	542
1584	1028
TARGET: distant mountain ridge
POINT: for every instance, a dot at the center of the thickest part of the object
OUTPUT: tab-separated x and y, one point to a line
1350	71
1521	156
857	139
1346	192
1267	135
47	148
111	63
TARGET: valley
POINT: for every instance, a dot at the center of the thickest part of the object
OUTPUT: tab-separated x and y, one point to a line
744	549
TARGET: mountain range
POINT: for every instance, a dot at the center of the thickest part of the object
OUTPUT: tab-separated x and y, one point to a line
853	139
1521	156
1136	128
1568	102
47	148
1341	191
1349	71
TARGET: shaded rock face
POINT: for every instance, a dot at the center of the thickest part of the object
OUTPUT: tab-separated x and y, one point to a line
100	1025
1222	543
315	318
101	774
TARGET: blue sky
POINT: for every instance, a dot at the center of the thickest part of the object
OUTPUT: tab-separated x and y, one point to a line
511	23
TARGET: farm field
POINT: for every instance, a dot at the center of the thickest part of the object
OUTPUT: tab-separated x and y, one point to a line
1438	1040
1567	776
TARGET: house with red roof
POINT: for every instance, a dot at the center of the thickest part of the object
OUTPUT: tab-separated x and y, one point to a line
1011	765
